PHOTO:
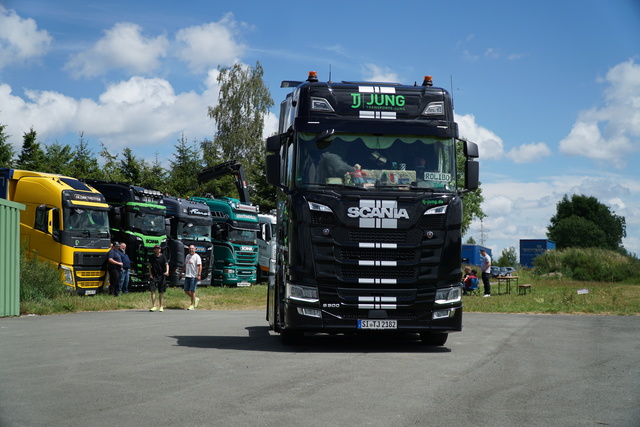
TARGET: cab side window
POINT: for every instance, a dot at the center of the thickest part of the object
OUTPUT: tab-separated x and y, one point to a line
41	218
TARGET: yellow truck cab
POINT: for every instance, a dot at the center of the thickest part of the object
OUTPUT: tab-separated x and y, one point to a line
65	222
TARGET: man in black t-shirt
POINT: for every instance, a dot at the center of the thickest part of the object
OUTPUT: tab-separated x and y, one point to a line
158	271
114	263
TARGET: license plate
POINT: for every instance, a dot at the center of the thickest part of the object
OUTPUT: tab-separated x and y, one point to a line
244	284
377	324
90	292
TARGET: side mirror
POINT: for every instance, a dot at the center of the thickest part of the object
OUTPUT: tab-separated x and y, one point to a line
471	150
217	231
471	175
273	169
274	143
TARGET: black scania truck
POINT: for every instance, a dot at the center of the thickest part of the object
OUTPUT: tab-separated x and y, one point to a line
369	210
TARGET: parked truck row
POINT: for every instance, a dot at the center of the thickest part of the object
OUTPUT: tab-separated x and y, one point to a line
71	224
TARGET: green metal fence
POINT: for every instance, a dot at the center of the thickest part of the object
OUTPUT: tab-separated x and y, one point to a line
10	257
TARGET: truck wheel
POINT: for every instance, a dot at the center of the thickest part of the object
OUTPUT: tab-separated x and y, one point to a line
290	337
433	339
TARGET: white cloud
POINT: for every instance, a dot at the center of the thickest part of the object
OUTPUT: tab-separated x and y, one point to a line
522	210
529	153
138	112
374	73
489	144
611	133
20	39
209	45
122	47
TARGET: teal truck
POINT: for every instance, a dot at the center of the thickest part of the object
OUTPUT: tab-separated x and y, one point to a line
234	230
137	218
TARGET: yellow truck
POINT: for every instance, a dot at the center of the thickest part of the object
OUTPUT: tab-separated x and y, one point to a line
65	222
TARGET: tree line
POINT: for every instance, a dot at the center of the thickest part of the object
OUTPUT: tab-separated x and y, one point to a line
243	103
239	116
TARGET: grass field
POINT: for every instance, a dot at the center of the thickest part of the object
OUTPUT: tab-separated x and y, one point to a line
556	295
211	298
549	295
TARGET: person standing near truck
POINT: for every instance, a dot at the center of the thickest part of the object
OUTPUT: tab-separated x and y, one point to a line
158	272
124	273
485	267
114	259
191	271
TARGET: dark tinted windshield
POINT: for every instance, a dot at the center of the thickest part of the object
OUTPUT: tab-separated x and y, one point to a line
376	161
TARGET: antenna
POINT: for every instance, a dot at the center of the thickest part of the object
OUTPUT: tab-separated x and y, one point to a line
451	79
329	73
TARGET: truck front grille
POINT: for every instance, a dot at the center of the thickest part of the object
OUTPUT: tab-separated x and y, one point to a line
378	254
356	272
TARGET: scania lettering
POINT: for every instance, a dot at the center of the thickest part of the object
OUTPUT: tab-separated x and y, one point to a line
136	216
369	210
365	212
65	222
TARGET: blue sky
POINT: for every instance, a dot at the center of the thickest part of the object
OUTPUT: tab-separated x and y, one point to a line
550	90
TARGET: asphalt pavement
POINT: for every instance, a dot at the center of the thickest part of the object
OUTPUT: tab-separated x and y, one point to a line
225	368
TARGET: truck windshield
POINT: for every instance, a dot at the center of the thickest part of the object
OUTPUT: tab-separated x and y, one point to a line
86	219
190	231
376	161
244	237
148	221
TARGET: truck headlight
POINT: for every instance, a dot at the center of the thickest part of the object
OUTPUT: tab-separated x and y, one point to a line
302	293
67	275
229	271
449	295
437	210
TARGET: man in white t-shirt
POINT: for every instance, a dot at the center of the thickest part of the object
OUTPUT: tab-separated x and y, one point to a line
485	267
191	271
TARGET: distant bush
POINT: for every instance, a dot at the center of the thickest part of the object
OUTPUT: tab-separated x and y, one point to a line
591	264
39	280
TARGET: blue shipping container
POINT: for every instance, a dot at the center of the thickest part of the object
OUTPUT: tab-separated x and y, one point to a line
471	254
531	248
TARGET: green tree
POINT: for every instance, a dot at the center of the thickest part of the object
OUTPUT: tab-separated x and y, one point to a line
262	194
187	163
84	165
508	257
243	103
32	156
131	168
6	149
224	186
111	170
154	175
584	222
58	157
471	240
472	201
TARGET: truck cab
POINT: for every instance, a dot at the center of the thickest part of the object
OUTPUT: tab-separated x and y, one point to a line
136	217
188	222
65	222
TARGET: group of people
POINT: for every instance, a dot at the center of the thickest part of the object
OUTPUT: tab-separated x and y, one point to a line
119	265
470	278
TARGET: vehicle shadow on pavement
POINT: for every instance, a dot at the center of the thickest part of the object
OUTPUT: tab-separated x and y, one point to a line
260	338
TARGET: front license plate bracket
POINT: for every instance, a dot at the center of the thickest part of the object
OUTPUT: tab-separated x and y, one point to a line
377	324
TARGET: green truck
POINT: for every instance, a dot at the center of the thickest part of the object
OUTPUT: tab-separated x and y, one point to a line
137	218
234	230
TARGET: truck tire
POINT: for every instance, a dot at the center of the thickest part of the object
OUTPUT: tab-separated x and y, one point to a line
433	339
